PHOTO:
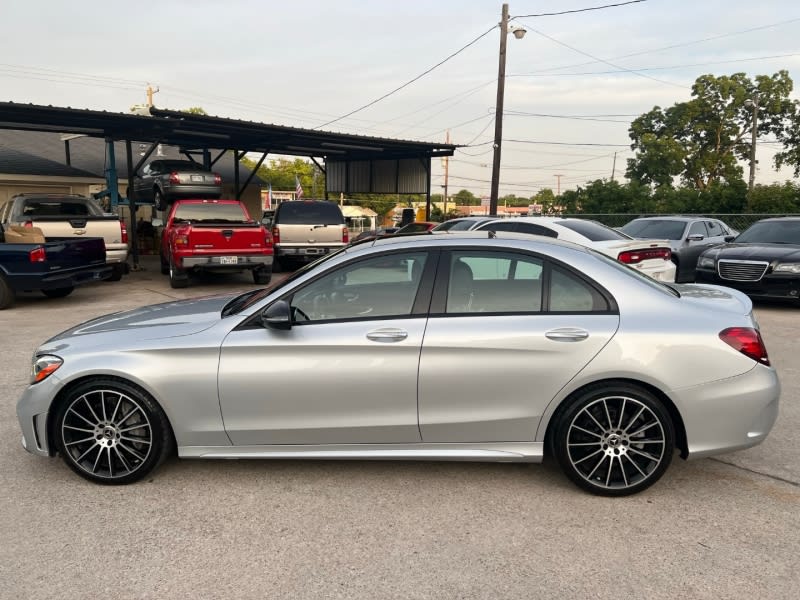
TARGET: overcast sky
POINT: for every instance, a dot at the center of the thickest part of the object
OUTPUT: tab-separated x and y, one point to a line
305	62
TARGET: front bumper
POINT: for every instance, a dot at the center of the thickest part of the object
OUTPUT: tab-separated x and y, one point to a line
731	414
32	411
780	286
232	262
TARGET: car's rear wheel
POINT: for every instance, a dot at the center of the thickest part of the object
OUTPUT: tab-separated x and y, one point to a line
108	431
178	278
7	295
62	292
117	271
614	440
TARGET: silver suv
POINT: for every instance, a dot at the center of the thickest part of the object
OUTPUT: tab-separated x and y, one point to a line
304	230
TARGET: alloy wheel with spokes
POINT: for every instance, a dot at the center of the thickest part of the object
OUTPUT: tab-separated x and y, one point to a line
615	442
110	432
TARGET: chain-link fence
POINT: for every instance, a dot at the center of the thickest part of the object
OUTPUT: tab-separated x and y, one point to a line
740	221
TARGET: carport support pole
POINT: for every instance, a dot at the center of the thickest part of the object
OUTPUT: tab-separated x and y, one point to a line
132	204
427	165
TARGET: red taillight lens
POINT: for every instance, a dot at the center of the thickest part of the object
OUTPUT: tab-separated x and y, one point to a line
28	224
38	255
631	257
123	232
181	240
174	177
747	341
217	179
345	235
276	235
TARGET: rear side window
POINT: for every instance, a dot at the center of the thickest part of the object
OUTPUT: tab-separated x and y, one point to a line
568	293
308	213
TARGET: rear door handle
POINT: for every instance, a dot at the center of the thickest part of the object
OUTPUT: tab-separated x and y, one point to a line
567	334
387	335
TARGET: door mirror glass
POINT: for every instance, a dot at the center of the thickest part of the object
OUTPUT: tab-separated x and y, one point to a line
730	238
277	316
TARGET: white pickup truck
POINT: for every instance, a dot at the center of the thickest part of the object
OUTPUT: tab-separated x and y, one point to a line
70	216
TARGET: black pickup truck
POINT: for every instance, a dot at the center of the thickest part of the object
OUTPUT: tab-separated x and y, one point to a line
54	266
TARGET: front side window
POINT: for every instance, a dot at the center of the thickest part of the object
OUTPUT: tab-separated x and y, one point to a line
382	286
698	228
494	282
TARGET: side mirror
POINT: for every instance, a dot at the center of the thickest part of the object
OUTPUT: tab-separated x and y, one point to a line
729	238
157	223
696	237
277	315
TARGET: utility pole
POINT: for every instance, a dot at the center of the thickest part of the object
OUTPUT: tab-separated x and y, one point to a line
446	173
614	166
558	177
498	118
150	92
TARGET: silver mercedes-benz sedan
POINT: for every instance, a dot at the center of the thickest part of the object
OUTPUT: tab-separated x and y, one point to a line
472	346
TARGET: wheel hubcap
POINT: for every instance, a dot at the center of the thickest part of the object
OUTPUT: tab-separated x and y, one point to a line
106	433
616	442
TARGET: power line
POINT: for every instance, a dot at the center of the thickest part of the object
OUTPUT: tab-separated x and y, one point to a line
567	143
512	113
406	84
554	40
679	45
580	10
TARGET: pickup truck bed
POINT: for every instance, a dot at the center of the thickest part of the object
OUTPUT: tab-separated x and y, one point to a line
54	266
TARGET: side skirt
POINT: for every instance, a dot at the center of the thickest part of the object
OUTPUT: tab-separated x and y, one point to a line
489	452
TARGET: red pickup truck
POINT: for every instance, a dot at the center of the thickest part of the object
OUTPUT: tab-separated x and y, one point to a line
213	235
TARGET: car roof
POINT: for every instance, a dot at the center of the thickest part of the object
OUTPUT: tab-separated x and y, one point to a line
677	218
462	237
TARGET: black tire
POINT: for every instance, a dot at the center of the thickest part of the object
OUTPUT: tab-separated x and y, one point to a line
614	440
117	270
7	295
178	278
159	200
109	431
58	292
262	276
277	265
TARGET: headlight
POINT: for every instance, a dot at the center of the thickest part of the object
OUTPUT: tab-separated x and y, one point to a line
706	262
44	366
787	268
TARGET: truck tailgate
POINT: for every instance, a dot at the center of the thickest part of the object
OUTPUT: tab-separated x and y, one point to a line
231	239
309	235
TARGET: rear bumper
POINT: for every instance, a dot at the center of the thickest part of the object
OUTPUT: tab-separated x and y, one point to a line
198	191
116	255
56	280
785	287
307	253
661	270
227	261
731	414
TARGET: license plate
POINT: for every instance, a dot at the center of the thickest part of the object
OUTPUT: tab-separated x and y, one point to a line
199	178
228	260
312	251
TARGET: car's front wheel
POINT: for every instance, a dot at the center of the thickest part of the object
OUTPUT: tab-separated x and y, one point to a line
614	440
109	431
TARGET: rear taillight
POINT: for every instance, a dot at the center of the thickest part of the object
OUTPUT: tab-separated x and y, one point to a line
276	235
174	177
38	255
217	179
345	235
631	257
28	224
181	240
747	341
123	232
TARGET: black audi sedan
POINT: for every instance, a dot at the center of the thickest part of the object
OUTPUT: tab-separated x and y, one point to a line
762	262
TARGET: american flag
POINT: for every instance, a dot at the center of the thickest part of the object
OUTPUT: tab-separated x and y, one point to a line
298	189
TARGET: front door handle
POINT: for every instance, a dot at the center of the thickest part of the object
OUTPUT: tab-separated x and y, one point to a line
567	334
387	335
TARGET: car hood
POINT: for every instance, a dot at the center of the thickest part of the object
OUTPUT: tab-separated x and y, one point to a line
715	297
170	319
766	252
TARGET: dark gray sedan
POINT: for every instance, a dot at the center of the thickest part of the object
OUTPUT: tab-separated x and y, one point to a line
161	181
688	236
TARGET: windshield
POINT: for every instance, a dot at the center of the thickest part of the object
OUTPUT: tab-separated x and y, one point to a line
60	207
772	232
244	301
662	229
211	212
592	230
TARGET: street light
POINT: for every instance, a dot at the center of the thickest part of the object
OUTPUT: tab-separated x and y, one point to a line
519	33
753	103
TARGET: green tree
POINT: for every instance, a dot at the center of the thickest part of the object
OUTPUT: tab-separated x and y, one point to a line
466	198
701	141
195	110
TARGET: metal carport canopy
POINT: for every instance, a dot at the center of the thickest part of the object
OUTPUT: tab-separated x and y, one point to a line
195	132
